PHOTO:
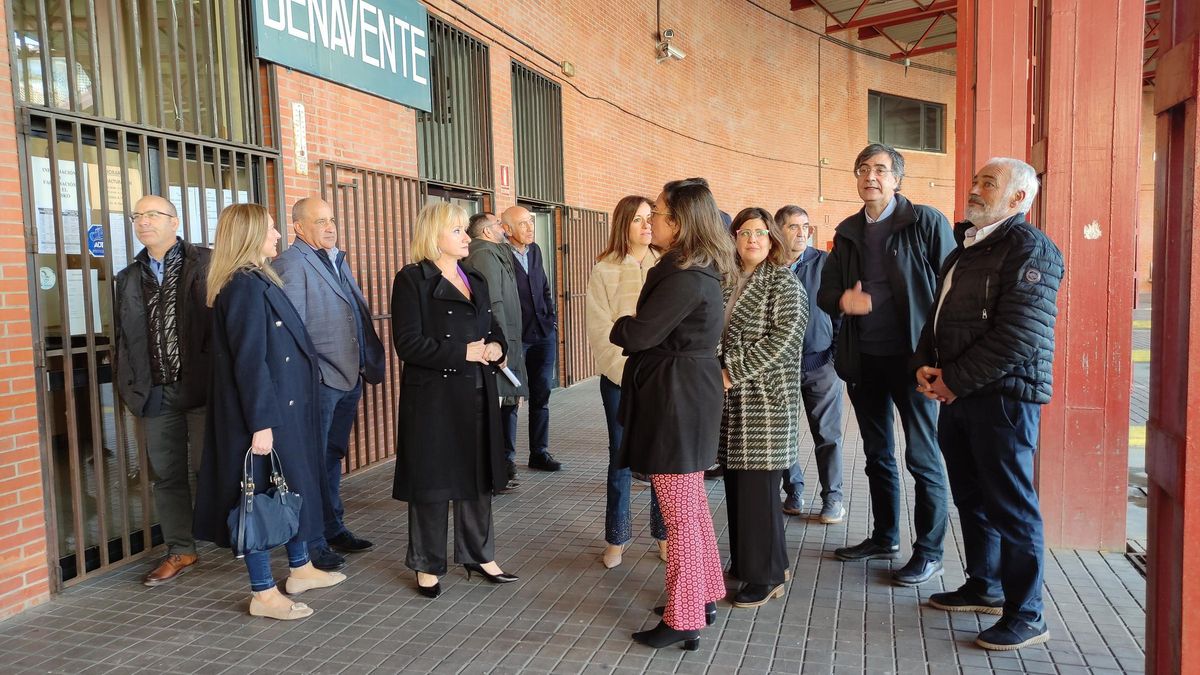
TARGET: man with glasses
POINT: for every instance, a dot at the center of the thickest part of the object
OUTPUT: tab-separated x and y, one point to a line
490	256
539	339
880	279
161	332
318	281
820	388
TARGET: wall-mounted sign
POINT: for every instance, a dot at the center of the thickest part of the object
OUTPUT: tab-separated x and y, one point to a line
380	47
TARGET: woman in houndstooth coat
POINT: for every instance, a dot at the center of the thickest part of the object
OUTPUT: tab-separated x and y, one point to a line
766	312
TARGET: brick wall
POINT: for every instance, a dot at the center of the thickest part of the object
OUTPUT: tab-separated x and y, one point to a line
743	109
24	579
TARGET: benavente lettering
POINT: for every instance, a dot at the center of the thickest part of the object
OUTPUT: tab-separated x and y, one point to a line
356	28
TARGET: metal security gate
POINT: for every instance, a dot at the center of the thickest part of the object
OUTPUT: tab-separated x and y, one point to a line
376	212
116	100
584	236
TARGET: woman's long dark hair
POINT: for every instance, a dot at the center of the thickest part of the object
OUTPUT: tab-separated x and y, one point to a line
618	236
702	240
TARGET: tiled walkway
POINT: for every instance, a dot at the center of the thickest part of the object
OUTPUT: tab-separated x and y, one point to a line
568	614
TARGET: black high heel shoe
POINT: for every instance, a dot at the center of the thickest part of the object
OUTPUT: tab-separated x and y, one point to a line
663	635
501	578
710	612
429	591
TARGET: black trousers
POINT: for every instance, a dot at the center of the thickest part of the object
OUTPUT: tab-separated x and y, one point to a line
473	532
756	540
473	541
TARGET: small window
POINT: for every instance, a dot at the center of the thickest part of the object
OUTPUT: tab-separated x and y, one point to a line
906	122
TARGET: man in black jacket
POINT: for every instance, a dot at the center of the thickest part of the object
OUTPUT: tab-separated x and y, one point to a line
820	388
880	278
986	354
539	339
161	332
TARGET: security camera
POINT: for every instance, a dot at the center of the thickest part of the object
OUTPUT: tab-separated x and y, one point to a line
668	35
667	50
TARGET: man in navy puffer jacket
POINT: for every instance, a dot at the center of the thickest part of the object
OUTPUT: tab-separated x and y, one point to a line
986	354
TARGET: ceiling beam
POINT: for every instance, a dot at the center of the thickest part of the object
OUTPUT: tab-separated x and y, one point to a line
924	50
897	18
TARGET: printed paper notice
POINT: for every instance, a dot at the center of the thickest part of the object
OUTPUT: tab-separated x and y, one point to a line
77	319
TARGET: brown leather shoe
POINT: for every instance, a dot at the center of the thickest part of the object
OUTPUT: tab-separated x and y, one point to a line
170	568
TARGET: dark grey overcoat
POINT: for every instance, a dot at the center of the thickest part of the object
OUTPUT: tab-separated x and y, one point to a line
671	390
265	375
437	446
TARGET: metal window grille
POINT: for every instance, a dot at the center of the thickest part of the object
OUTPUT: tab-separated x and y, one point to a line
454	141
82	177
176	66
537	136
376	211
584	235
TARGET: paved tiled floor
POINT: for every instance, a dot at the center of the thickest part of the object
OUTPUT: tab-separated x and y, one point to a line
568	614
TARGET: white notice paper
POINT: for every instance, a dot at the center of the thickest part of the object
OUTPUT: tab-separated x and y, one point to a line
77	320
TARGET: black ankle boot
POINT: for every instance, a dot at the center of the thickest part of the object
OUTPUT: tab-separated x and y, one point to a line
663	635
710	612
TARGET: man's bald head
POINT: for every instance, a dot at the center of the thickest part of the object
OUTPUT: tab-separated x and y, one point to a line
518	224
155	224
314	223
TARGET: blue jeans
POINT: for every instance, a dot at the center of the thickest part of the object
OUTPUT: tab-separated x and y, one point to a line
338	410
886	381
540	358
989	442
821	390
259	564
618	524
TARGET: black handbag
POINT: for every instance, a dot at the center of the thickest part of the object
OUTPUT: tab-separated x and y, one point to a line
262	521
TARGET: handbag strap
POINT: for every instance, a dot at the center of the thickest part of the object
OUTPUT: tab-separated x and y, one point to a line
248	490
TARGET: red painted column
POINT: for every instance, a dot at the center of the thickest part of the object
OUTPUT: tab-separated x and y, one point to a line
993	86
1173	431
1079	126
1091	108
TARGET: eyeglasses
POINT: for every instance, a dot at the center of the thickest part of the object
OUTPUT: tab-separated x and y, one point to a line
872	170
149	215
756	234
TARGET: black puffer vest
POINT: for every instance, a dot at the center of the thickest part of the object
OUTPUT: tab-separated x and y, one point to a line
162	324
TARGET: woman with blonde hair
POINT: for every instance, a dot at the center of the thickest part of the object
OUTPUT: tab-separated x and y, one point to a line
263	397
448	446
766	312
612	292
672	396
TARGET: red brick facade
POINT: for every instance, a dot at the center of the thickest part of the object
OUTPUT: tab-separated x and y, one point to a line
24	580
763	108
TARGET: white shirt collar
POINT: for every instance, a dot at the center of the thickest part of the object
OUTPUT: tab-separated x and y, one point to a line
974	235
887	211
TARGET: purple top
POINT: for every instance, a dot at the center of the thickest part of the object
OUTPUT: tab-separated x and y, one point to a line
463	275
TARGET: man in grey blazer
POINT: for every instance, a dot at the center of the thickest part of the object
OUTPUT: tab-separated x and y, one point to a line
317	279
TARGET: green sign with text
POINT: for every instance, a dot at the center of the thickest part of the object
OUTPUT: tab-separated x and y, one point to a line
380	47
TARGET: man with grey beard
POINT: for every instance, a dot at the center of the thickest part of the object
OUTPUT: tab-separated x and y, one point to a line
986	355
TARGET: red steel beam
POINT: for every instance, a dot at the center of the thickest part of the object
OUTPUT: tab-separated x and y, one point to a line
897	18
798	5
923	51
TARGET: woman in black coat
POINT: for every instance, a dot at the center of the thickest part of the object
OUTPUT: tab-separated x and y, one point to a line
449	445
671	398
263	395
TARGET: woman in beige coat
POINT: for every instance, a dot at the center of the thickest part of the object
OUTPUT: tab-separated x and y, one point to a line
613	290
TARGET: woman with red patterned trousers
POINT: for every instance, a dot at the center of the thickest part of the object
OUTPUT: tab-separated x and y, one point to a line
672	398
